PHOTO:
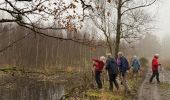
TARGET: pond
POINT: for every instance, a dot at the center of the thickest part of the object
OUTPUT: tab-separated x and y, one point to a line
29	89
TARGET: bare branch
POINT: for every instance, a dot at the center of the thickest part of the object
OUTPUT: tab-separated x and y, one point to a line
88	43
141	6
8	20
15	42
124	2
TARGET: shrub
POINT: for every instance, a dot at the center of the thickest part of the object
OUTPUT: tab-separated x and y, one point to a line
144	61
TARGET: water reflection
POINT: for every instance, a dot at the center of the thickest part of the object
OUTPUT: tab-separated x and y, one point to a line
28	89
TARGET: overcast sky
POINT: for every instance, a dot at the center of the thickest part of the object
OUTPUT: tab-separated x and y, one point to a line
163	17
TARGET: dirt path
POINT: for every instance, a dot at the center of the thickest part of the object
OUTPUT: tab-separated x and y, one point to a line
155	91
164	88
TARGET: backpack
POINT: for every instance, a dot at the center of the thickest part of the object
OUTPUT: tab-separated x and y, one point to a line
126	63
115	66
112	66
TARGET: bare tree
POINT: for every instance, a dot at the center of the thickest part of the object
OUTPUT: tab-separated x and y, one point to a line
133	8
122	19
60	15
101	18
130	15
28	52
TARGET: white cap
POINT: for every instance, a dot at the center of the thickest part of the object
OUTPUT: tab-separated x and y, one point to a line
102	58
134	56
108	54
120	54
157	55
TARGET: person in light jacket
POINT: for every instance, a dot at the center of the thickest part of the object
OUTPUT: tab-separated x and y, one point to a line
135	66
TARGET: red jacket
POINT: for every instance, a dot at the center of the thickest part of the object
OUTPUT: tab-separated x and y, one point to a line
155	63
98	65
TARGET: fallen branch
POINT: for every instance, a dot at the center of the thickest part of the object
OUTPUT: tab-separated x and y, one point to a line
21	70
15	42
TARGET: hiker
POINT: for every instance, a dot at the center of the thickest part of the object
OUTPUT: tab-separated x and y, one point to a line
155	65
98	67
112	68
135	66
123	68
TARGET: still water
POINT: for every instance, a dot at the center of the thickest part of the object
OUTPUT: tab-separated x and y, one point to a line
29	89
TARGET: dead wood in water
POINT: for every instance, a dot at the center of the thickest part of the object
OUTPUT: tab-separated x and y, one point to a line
14	69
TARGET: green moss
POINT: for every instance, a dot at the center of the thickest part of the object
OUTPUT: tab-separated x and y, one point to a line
103	95
134	82
93	93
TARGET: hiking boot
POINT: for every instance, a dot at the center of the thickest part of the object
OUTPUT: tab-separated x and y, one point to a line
150	82
128	92
158	82
121	83
117	88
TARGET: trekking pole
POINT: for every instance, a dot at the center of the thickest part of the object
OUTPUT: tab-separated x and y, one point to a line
103	77
92	77
163	74
92	74
162	71
106	76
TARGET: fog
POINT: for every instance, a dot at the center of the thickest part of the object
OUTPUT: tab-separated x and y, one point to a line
163	28
161	43
163	21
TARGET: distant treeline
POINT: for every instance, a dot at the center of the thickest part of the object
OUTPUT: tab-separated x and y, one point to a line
39	51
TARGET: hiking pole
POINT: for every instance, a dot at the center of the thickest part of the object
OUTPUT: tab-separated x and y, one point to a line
162	71
92	74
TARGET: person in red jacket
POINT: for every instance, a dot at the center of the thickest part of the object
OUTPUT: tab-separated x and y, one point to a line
155	65
98	67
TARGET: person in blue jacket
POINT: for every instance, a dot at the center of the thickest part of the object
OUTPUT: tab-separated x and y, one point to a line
123	69
135	66
112	68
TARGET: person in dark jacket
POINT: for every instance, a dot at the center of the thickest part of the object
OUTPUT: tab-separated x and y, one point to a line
112	68
98	67
155	65
123	68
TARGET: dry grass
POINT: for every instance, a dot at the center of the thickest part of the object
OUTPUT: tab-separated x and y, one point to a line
165	63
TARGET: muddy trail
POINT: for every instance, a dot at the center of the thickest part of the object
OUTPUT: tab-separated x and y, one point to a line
155	91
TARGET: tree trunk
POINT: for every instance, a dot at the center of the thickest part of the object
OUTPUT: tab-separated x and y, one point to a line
118	30
109	45
37	51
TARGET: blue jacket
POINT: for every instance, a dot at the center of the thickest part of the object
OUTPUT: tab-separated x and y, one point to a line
111	66
135	64
123	64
